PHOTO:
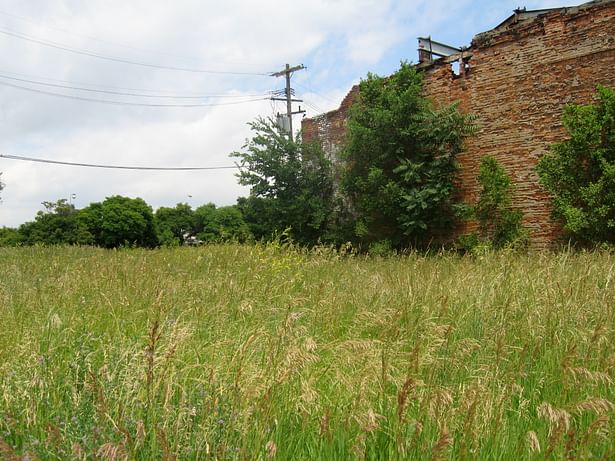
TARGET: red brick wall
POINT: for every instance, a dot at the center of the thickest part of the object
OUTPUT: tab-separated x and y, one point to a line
521	76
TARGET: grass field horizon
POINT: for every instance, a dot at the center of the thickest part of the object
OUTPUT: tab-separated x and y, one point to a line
258	352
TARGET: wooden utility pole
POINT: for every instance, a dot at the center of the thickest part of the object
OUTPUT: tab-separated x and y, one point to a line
287	72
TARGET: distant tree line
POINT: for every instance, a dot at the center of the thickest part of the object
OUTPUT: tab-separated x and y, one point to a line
123	221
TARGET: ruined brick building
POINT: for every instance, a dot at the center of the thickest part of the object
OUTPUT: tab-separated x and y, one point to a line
517	78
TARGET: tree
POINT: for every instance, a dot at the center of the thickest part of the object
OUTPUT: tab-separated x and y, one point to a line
290	183
120	221
173	224
58	224
400	160
10	237
220	224
580	171
1	186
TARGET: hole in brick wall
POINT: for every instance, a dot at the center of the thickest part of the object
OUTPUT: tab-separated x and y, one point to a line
456	68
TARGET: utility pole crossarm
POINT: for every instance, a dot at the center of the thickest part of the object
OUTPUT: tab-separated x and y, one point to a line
288	93
282	73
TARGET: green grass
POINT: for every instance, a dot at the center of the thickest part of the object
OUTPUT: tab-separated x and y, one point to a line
265	352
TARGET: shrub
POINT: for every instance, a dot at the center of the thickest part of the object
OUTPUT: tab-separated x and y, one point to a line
580	171
499	225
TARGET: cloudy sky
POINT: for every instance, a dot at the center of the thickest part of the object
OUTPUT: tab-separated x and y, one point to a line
206	53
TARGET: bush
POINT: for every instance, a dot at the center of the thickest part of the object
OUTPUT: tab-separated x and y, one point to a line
580	171
499	224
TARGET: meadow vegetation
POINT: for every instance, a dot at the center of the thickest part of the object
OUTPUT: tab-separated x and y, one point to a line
269	351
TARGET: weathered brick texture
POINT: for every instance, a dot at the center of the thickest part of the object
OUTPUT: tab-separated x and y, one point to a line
521	75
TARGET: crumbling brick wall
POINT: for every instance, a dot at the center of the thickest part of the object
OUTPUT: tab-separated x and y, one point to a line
520	77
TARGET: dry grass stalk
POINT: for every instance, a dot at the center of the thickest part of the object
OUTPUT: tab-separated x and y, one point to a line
79	452
112	452
598	427
558	419
271	449
402	398
439	403
444	442
7	453
569	447
54	437
370	424
469	429
533	442
559	424
140	431
595	405
167	454
580	375
325	428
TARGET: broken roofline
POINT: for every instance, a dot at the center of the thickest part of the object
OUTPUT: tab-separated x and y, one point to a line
428	48
521	14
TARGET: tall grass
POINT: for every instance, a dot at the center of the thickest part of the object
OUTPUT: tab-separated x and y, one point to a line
268	352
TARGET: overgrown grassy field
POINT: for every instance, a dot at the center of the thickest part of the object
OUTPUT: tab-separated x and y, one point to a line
267	352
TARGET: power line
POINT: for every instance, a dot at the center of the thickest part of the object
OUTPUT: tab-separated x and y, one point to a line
127	103
314	107
311	90
115	167
121	93
171	93
88	37
93	54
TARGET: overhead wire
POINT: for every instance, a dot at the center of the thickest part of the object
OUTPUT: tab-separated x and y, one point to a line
99	85
311	90
314	107
88	37
115	167
93	54
123	93
127	103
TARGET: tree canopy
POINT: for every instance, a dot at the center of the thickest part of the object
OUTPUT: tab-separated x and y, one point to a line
58	224
174	224
120	221
290	184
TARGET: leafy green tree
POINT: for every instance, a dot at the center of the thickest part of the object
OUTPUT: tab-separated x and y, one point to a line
120	221
259	215
10	237
1	186
290	183
580	171
172	224
400	160
220	224
58	224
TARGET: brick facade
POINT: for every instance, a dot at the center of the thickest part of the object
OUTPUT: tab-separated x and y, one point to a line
520	76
